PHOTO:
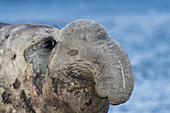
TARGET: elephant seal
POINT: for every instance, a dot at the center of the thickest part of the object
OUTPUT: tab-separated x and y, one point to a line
77	69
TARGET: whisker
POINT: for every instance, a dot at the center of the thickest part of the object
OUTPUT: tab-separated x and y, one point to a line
47	30
56	26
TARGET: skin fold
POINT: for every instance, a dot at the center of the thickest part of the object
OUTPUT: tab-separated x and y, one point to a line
76	69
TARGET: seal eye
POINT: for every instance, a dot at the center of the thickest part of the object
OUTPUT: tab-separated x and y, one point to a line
48	43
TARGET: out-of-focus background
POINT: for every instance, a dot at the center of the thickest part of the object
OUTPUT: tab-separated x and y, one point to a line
142	27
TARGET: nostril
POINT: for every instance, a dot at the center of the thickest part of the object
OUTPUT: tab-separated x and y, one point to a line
72	52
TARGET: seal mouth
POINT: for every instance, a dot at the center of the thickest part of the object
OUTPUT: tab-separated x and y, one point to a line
75	89
81	70
73	77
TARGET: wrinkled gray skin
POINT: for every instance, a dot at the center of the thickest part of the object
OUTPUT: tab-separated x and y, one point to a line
77	69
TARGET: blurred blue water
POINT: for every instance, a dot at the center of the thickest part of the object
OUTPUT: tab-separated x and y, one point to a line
142	28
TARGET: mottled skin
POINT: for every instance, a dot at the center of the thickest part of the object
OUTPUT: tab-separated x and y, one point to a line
77	69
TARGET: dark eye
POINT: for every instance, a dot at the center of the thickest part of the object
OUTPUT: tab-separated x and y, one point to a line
48	43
